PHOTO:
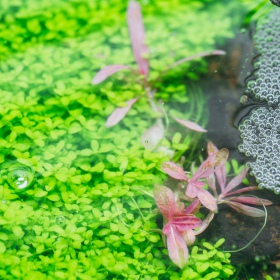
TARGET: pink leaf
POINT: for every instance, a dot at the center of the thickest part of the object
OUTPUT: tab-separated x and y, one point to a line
189	237
246	210
251	200
205	223
193	207
211	164
190	125
177	248
207	200
191	190
211	148
221	172
252	188
211	183
119	113
137	36
235	181
153	135
215	52
174	171
107	71
185	222
165	201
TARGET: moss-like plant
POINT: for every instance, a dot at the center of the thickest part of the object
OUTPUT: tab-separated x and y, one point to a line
70	199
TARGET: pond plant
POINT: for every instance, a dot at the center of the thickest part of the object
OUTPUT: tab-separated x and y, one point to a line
180	221
76	197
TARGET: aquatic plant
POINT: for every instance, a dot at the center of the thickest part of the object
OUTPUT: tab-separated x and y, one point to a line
153	135
170	205
260	131
83	213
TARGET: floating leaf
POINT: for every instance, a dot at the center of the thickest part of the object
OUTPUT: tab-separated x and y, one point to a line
137	36
174	170
191	125
119	113
107	71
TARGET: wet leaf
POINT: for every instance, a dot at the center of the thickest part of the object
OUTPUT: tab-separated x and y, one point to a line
205	223
119	113
173	170
246	210
237	180
207	200
137	36
251	200
191	125
177	248
193	207
107	71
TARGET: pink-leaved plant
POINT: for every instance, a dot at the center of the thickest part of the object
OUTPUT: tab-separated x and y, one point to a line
140	51
229	196
180	225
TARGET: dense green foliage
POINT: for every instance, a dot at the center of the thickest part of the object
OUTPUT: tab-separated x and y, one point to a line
87	216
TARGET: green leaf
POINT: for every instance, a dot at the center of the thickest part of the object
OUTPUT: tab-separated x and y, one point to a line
53	197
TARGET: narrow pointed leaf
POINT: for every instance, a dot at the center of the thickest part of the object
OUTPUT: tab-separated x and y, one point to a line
237	180
190	125
137	36
207	200
246	210
119	113
165	201
177	248
193	207
107	71
153	135
246	189
205	223
211	183
173	170
199	55
251	200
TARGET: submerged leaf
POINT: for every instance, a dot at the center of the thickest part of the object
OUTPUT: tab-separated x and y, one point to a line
137	36
193	207
165	201
207	200
176	245
235	181
119	113
191	125
153	135
173	170
246	210
251	200
107	71
205	223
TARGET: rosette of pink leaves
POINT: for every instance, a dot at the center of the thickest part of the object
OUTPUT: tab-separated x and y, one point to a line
153	135
229	196
178	223
194	185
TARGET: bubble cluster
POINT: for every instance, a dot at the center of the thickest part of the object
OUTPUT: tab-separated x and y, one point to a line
261	140
261	131
265	85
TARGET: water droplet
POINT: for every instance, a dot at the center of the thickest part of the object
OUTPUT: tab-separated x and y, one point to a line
20	176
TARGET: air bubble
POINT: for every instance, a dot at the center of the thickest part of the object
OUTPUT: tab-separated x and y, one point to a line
20	176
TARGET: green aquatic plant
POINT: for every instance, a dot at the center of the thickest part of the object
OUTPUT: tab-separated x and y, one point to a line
85	213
